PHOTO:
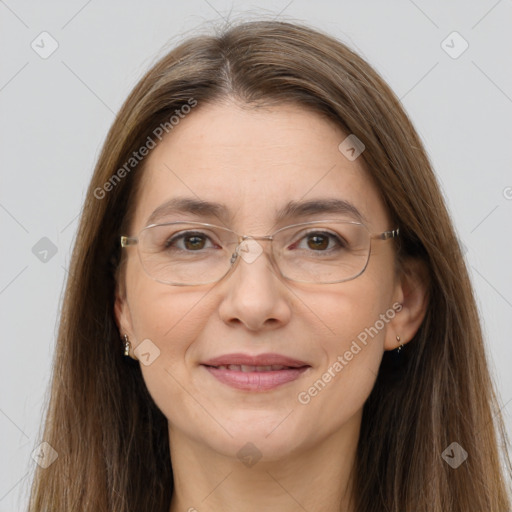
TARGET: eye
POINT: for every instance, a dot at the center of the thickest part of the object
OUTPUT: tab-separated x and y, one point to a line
192	241
319	241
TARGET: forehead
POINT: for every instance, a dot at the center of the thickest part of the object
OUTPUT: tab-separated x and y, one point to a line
255	163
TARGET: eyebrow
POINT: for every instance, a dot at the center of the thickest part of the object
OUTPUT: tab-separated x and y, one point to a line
292	210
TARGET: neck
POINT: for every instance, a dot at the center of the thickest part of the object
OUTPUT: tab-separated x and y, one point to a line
313	479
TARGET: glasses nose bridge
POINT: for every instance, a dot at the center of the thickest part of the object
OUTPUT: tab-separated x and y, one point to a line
242	238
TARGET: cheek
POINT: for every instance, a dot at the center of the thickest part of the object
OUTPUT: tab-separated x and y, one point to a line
350	311
356	315
170	316
173	320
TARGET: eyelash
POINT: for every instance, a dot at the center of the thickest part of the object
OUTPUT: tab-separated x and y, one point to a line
183	235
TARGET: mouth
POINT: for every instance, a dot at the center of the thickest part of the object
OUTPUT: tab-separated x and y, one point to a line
256	378
250	368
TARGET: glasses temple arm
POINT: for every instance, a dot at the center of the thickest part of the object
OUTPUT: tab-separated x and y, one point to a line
126	241
388	234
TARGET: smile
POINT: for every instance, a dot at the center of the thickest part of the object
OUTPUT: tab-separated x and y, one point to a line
255	378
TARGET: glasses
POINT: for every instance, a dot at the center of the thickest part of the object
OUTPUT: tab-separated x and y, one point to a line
195	253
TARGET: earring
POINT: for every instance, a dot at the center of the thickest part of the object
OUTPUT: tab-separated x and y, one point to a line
127	346
401	345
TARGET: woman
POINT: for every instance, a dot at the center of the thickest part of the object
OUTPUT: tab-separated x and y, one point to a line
268	308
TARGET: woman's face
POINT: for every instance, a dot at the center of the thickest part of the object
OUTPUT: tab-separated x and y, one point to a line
254	162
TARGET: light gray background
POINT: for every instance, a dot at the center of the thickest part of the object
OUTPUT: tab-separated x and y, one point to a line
55	113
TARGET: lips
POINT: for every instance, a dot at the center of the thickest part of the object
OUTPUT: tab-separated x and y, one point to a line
259	361
250	368
255	373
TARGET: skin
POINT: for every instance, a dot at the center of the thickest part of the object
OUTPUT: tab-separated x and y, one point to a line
254	160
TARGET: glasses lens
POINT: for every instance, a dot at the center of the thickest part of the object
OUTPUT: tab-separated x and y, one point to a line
324	252
186	253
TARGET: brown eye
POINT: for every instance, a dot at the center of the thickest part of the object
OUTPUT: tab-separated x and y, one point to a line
189	242
194	242
318	242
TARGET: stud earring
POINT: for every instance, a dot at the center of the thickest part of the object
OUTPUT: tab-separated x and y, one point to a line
127	346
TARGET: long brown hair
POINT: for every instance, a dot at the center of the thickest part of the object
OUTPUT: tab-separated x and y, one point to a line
112	441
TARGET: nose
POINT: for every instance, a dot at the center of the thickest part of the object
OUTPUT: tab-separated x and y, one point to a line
253	294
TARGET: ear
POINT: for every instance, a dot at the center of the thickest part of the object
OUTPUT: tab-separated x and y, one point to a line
412	293
122	312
